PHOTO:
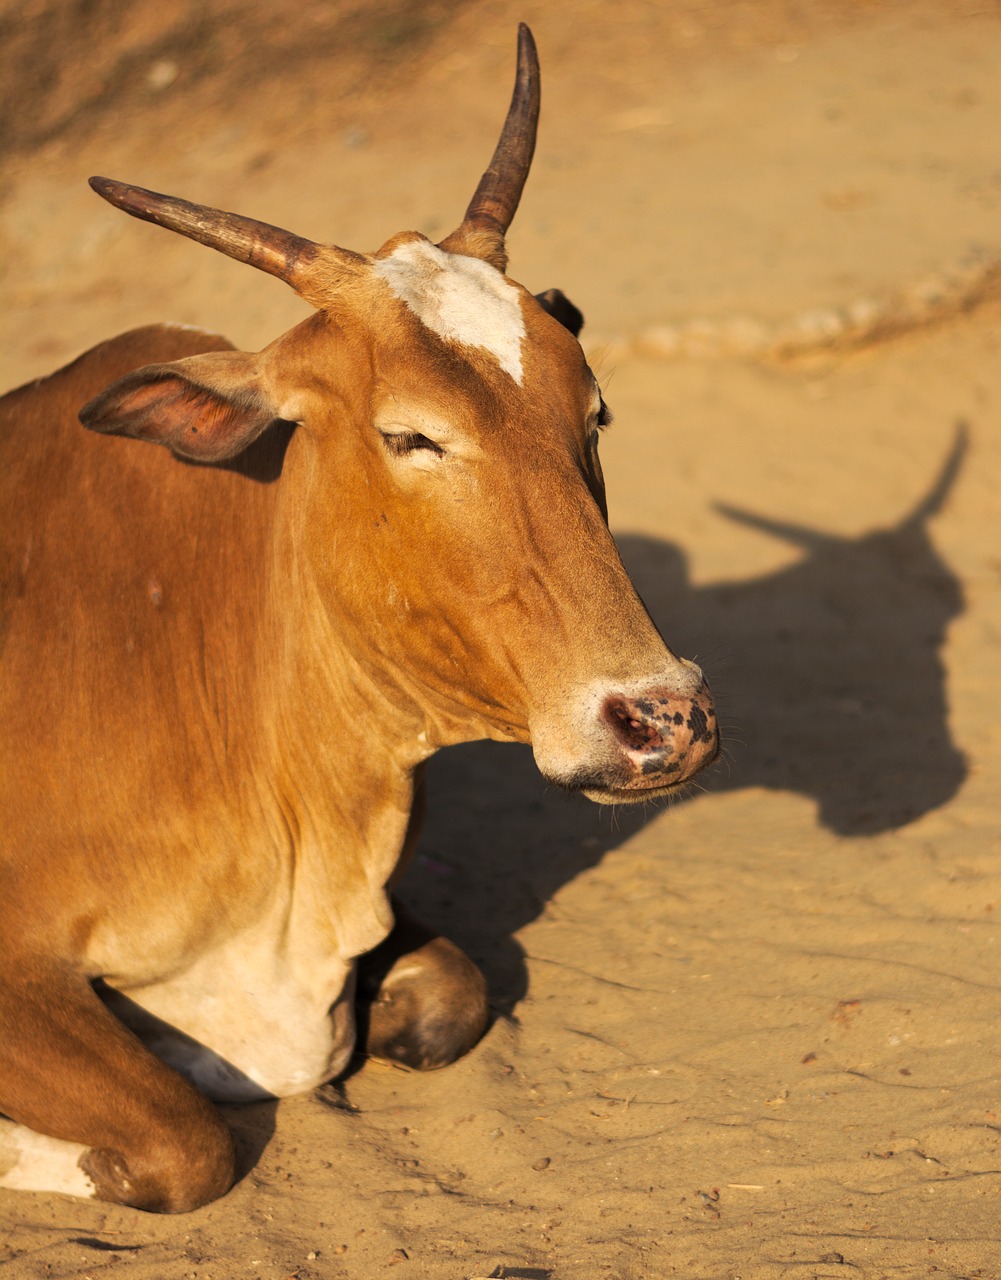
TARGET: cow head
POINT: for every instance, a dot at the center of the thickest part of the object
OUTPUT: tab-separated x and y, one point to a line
449	502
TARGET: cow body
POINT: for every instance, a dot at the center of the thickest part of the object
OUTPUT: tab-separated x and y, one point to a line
225	661
181	778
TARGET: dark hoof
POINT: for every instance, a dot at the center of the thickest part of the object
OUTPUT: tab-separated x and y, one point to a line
422	1001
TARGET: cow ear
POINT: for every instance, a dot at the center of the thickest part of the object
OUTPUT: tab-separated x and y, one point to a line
207	408
562	309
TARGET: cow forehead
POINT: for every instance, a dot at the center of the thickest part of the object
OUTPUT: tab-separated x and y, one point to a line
461	299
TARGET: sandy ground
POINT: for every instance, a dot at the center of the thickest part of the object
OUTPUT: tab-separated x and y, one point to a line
756	1035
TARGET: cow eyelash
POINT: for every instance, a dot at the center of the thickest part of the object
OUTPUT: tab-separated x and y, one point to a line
400	443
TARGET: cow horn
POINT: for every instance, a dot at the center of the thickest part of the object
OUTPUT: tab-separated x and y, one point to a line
280	253
496	198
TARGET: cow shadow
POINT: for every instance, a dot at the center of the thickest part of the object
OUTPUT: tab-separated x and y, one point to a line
830	681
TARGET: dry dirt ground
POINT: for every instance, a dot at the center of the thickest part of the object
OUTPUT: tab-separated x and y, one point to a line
757	1034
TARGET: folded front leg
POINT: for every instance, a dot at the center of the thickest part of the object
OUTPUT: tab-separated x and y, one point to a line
92	1112
422	1001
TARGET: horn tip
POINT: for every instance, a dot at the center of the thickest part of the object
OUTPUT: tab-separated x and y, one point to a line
527	51
109	189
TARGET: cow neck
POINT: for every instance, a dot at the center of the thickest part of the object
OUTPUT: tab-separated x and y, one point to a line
340	761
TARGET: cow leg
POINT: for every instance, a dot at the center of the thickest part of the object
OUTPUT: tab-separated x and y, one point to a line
422	1001
94	1113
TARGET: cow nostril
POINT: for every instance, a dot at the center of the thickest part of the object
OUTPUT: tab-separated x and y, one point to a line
633	729
664	735
662	722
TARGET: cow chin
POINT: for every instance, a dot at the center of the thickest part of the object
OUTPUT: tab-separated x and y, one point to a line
606	790
639	793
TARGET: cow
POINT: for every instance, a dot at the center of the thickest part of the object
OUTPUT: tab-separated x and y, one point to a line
226	660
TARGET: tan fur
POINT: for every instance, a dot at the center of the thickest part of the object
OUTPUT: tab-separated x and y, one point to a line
219	683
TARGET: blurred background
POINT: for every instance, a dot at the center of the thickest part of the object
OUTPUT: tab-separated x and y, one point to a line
734	168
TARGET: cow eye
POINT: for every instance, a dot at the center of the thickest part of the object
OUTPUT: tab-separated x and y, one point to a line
604	415
402	442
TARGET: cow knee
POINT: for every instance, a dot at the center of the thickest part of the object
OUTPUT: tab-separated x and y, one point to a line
430	1009
171	1176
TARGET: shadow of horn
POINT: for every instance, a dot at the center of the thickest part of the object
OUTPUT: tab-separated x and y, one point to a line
811	540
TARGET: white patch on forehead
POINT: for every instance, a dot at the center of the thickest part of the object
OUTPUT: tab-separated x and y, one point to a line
462	299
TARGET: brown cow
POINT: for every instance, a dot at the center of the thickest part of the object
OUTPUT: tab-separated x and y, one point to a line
226	661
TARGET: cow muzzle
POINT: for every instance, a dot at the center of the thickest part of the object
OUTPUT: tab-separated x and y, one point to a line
640	745
666	738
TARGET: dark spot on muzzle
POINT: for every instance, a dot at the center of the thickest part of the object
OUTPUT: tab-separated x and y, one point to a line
664	736
658	765
698	722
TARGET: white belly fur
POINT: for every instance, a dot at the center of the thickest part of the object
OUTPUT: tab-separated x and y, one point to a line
244	1023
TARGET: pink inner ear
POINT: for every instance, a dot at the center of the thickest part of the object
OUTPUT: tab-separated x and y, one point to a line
199	424
204	423
140	399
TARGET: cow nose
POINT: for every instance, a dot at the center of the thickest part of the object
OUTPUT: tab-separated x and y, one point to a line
666	736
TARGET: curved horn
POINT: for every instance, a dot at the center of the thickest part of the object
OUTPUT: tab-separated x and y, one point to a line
268	248
496	198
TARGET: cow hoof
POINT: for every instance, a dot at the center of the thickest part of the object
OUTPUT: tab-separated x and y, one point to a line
423	1008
